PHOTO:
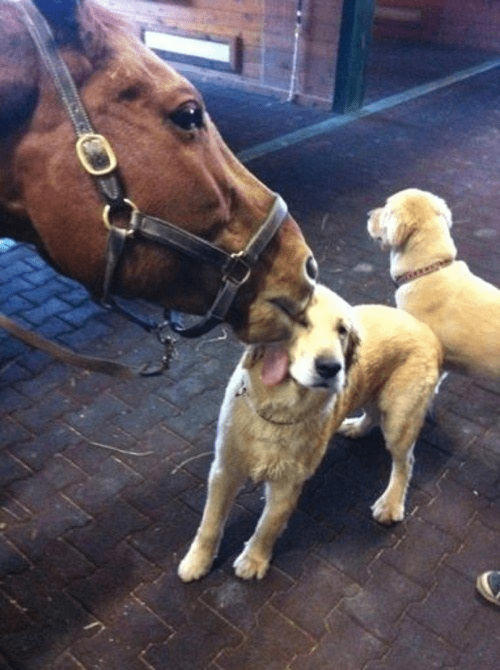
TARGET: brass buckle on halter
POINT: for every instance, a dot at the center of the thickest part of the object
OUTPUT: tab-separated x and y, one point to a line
95	154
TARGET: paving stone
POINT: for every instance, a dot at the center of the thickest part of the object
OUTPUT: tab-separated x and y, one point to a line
194	646
145	417
55	519
11	470
11	559
12	432
478	551
353	550
420	551
477	469
105	590
14	617
414	648
116	521
87	418
81	336
382	602
273	643
66	662
56	620
50	408
154	496
481	638
159	448
240	602
451	593
120	644
62	563
323	589
12	370
113	477
453	508
347	645
40	449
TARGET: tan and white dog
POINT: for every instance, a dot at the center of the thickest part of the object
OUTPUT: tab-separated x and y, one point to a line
285	401
462	309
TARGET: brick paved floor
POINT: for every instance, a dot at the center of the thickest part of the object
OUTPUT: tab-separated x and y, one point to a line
102	482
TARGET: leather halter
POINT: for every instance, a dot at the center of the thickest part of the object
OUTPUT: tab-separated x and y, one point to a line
98	159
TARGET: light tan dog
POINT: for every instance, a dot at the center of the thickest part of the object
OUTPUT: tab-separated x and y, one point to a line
285	401
462	309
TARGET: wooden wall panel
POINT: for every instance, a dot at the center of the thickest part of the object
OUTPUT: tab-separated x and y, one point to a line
474	24
266	30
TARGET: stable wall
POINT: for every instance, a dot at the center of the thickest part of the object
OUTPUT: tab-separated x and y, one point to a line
473	24
265	29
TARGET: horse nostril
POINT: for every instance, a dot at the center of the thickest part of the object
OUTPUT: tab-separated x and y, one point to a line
312	268
327	369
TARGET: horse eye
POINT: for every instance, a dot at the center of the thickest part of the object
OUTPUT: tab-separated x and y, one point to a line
188	116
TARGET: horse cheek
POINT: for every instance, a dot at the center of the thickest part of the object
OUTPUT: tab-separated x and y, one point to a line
287	272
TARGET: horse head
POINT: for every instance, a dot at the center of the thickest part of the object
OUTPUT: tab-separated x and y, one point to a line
172	163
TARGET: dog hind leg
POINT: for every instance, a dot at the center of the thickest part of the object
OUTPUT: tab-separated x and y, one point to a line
402	417
390	507
223	485
281	500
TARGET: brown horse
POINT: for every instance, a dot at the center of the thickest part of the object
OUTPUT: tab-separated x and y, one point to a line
171	160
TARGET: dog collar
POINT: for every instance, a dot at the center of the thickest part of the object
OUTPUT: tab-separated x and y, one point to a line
421	272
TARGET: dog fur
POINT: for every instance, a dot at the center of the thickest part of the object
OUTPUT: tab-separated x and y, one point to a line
462	309
285	401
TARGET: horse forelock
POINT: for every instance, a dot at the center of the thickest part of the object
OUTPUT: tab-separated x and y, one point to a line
105	35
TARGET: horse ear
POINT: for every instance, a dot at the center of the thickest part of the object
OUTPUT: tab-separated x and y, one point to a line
63	17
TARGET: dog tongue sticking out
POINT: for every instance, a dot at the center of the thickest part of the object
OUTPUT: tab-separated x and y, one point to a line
274	365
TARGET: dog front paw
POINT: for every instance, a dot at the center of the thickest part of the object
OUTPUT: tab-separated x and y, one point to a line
387	512
195	564
248	566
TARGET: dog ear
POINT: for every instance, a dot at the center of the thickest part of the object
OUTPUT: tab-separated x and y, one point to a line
443	209
396	226
353	342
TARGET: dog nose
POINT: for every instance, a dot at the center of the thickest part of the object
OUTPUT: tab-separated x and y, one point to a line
327	368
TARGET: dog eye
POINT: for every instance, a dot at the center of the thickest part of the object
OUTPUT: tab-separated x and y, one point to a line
342	330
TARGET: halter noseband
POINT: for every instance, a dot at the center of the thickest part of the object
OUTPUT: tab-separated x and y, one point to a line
98	159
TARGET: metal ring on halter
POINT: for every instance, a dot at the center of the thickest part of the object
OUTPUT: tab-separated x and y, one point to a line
108	209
